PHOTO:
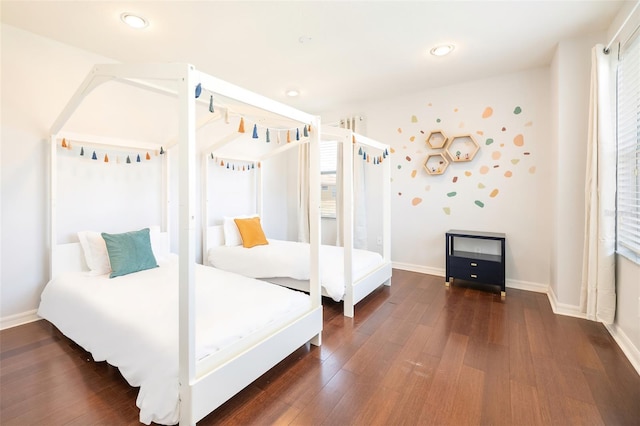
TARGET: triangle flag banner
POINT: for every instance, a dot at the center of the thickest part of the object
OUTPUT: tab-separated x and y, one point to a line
288	136
82	150
64	143
94	156
255	131
161	150
268	138
106	158
241	126
360	151
297	134
305	132
138	158
148	157
211	104
198	90
128	160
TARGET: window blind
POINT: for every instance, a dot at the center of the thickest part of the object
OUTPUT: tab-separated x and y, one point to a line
628	152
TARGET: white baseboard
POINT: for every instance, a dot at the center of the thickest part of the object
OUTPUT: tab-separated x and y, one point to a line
563	308
440	272
19	319
627	346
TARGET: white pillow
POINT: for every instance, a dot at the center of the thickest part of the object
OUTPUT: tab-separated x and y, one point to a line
95	252
159	243
232	236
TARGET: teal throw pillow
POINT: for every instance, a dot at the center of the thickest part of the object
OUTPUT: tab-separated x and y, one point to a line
129	252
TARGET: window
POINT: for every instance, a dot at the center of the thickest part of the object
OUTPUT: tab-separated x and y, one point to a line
628	155
328	164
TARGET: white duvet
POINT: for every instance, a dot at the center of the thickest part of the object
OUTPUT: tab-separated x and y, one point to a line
291	259
132	322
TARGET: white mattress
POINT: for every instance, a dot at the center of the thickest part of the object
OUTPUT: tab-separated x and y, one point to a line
291	259
132	322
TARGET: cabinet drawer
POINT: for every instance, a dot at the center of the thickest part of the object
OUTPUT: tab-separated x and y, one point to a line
475	270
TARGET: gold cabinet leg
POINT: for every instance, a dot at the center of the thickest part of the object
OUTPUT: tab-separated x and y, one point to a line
503	294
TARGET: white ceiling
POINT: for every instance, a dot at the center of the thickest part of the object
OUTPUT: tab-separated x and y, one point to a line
353	51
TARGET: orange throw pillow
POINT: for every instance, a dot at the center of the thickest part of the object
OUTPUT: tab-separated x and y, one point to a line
251	232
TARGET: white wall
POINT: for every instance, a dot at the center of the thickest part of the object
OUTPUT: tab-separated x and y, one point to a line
38	78
424	206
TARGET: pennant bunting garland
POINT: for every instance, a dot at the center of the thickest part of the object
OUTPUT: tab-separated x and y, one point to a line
128	160
106	158
64	143
297	134
69	145
138	158
82	151
255	131
198	90
161	150
268	138
305	132
211	104
278	135
148	157
241	126
288	136
94	156
360	151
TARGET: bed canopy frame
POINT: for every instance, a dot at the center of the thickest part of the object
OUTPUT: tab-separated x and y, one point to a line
355	290
201	390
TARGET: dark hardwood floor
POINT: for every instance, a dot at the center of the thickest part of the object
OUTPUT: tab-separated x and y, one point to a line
416	353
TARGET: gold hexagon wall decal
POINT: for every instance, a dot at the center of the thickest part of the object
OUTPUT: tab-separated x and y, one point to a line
435	164
462	148
436	139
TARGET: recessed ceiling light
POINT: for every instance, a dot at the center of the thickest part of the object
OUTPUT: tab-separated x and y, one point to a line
442	50
134	21
292	93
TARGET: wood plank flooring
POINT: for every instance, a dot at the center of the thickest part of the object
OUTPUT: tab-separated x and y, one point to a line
417	353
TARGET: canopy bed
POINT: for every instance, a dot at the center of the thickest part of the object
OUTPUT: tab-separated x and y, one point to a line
179	330
346	273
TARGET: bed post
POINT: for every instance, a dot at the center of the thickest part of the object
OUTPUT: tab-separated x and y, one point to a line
314	219
53	194
347	222
186	231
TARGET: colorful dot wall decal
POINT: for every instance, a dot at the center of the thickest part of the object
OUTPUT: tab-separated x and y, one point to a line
455	110
399	130
479	203
481	185
484	170
413	173
408	158
518	110
518	140
438	120
489	141
496	155
455	179
416	201
494	193
528	124
508	174
399	166
467	173
414	119
488	112
532	169
479	132
412	138
393	150
427	188
446	210
504	129
515	161
400	194
452	194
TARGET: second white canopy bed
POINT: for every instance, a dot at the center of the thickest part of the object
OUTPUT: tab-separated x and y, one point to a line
346	274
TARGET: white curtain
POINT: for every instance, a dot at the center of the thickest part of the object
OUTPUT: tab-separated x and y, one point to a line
598	293
339	196
359	202
303	193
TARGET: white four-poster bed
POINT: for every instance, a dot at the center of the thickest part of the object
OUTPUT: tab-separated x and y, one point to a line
203	380
346	273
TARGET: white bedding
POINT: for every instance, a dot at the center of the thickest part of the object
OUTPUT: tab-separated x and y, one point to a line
132	322
291	259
